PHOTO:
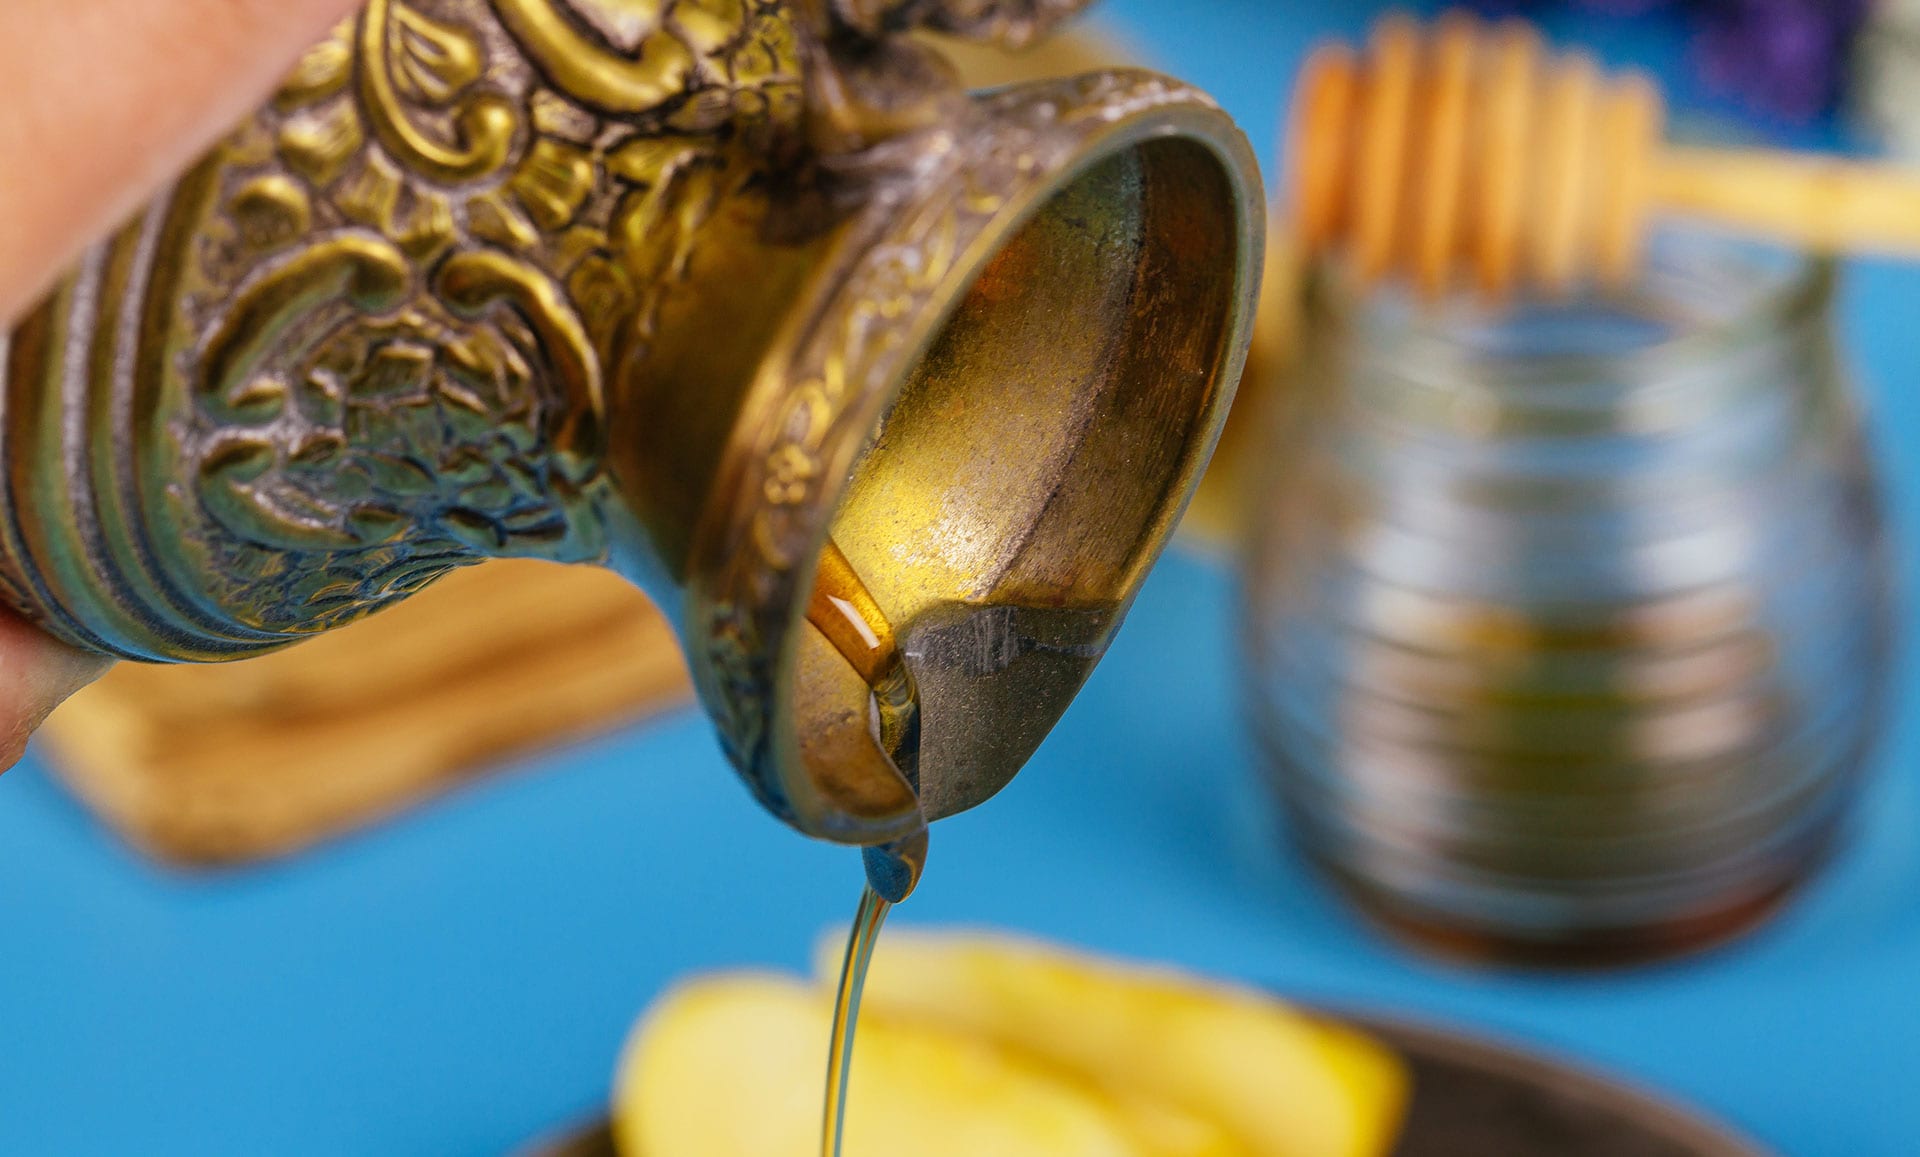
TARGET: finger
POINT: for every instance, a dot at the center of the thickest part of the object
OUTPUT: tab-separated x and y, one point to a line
102	101
37	673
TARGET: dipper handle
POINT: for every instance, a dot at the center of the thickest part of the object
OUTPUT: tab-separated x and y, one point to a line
1468	154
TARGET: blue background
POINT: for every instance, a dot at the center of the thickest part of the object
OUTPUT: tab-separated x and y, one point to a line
460	980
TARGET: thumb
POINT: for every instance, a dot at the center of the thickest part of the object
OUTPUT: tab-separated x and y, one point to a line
101	101
37	673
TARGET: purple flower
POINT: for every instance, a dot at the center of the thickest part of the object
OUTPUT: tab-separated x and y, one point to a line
1785	57
1789	56
1607	7
1626	7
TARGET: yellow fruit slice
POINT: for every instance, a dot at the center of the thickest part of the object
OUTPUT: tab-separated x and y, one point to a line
1165	1130
1284	1083
733	1066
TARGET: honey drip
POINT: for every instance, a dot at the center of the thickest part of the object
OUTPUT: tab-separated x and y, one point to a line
845	612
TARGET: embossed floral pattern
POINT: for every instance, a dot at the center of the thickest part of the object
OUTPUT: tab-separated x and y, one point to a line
382	436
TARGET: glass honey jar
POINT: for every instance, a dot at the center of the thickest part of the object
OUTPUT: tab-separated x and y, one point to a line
1570	621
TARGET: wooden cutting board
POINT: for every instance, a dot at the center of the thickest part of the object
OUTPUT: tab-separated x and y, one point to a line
237	761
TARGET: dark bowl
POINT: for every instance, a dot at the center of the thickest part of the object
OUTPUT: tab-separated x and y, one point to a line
1472	1097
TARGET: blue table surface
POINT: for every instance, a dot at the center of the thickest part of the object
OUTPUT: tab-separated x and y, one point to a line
460	980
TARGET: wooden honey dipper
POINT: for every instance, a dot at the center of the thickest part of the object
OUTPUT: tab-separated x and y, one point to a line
1469	153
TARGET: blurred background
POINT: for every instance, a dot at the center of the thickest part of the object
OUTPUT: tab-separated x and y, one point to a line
233	920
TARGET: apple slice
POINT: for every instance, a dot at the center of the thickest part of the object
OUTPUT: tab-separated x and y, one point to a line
734	1066
1284	1083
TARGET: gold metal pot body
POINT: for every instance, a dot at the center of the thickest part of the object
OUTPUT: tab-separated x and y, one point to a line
680	288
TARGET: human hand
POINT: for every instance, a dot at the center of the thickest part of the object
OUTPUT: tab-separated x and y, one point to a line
102	101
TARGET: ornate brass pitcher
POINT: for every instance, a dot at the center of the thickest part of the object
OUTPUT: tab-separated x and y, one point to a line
698	290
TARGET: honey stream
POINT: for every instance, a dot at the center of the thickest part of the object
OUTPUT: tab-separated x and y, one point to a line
844	610
846	1015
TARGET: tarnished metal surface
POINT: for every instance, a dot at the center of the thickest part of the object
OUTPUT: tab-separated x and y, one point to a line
653	285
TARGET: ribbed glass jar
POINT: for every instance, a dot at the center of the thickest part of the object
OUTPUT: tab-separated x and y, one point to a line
1569	624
